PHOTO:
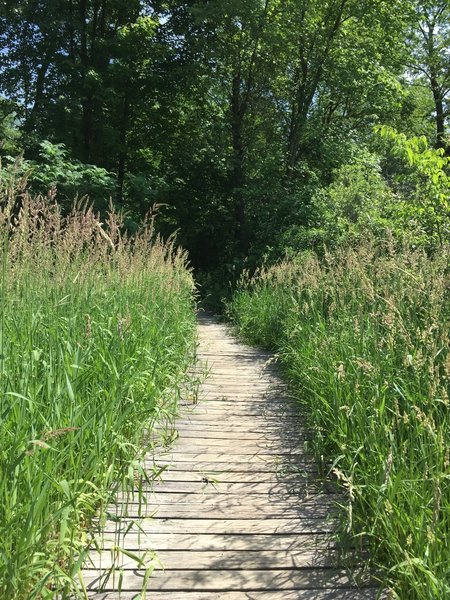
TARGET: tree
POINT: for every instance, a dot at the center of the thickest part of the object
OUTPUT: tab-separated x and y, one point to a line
430	42
332	54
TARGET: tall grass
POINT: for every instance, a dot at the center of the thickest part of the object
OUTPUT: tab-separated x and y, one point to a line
364	338
96	333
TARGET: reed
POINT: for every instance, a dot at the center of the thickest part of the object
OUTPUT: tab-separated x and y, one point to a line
363	337
96	333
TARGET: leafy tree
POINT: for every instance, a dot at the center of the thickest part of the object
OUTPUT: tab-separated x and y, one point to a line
241	120
326	65
429	41
427	209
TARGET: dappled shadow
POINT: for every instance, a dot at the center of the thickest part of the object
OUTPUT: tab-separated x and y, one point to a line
240	505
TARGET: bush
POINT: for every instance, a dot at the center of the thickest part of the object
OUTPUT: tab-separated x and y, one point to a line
69	177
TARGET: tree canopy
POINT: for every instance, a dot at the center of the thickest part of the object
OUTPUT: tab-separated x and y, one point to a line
245	123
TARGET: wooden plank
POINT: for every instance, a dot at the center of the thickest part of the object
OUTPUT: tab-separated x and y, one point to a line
272	478
244	420
203	431
254	390
248	401
314	594
247	378
142	511
243	466
248	415
239	407
197	424
170	541
251	357
237	380
229	453
199	486
214	497
252	396
252	425
205	560
257	443
235	455
202	436
223	526
224	580
216	369
212	446
216	366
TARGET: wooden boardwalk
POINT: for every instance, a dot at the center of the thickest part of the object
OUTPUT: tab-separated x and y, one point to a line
239	512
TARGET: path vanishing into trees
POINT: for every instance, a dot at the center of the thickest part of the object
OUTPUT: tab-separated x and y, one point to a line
240	511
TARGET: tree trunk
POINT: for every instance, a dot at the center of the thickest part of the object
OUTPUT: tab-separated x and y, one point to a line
237	171
86	118
438	95
440	114
71	33
122	163
30	123
308	76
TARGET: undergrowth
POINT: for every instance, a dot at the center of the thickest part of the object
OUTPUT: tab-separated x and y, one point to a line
96	334
363	337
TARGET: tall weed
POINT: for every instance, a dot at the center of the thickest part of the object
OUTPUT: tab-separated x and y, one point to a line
363	337
96	334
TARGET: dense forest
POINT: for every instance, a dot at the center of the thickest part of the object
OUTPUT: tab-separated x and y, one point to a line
252	128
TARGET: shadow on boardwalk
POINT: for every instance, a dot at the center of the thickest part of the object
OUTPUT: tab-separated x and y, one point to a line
240	511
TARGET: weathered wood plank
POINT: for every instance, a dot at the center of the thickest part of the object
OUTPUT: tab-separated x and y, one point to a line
213	447
201	486
248	402
257	444
250	422
170	541
302	480
215	498
243	466
226	580
290	558
235	455
247	416
314	594
137	511
189	435
202	424
223	526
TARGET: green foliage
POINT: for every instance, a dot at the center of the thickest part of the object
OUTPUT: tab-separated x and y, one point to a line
363	338
70	177
96	334
355	201
427	209
428	40
9	133
233	113
55	169
354	205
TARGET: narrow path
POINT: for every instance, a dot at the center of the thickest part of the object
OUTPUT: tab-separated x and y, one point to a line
239	512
